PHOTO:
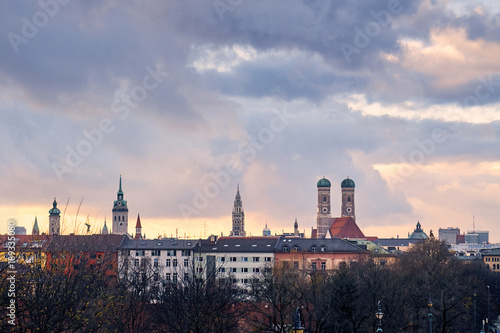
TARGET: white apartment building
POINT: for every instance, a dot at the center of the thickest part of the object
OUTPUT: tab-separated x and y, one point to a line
240	258
166	259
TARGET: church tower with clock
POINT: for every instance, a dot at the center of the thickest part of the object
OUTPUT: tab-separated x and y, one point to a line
324	207
238	216
120	213
347	209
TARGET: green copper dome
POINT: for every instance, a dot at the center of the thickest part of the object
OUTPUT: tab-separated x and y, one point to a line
323	182
347	183
54	210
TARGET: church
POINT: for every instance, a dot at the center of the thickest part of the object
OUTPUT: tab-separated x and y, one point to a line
336	227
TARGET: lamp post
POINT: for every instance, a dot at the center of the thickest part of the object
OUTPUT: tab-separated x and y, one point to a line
475	301
379	315
430	313
488	319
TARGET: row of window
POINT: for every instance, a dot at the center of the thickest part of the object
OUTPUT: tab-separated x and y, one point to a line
315	265
168	262
492	259
243	269
245	259
157	253
496	266
314	248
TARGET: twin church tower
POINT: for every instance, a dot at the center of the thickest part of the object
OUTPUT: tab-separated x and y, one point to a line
325	219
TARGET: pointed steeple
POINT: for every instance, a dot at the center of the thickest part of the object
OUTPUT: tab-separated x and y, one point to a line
104	230
296	228
238	215
35	231
138	228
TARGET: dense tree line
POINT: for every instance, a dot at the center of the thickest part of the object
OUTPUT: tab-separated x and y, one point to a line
83	298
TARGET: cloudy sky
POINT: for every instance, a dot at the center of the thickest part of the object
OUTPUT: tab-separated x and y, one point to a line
186	99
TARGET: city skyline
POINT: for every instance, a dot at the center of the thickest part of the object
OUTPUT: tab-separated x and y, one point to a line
186	100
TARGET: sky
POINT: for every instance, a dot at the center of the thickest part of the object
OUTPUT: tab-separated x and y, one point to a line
187	99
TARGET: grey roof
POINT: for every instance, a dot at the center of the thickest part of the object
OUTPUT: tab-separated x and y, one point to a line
495	252
322	245
239	244
86	243
161	244
396	241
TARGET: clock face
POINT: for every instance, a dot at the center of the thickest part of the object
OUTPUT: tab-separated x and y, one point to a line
119	203
349	209
325	210
121	224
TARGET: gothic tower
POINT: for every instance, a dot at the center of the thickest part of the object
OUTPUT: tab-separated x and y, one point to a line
36	230
54	219
324	207
120	213
138	228
238	216
347	188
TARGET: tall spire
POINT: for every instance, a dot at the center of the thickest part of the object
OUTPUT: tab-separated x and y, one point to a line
35	231
138	228
120	189
238	216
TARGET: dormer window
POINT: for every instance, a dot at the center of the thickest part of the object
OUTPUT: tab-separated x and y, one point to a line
295	248
323	248
285	248
314	248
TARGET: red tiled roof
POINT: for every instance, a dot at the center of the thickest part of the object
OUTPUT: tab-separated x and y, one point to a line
138	224
345	227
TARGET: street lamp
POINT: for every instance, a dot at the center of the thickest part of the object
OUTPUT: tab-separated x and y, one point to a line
475	301
430	313
379	315
488	319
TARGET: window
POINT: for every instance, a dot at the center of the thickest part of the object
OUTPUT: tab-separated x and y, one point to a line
267	259
348	199
156	276
167	263
233	269
136	262
244	259
314	248
295	265
256	270
314	266
170	253
174	263
222	259
245	280
222	269
324	198
186	262
174	277
323	266
199	269
235	280
244	270
285	248
322	248
256	259
200	258
168	277
295	248
155	253
155	263
268	270
232	259
185	253
140	253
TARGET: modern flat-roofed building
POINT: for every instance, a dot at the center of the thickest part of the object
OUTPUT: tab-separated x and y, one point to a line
449	235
